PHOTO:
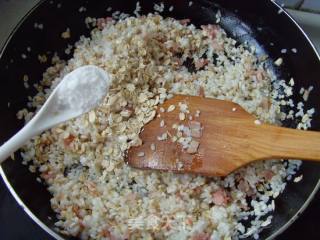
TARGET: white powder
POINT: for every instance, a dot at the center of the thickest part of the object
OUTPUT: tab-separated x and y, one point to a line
82	89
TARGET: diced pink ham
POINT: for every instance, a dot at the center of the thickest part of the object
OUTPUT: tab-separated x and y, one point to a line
189	221
131	197
193	147
48	175
76	210
244	186
216	45
102	22
201	63
260	75
195	128
220	197
267	174
212	31
67	141
201	236
201	92
265	103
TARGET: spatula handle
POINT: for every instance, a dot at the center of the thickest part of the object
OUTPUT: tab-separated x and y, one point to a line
280	142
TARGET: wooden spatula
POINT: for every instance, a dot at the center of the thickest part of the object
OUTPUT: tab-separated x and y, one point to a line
219	137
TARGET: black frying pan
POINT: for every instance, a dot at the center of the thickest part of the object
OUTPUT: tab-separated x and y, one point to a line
257	21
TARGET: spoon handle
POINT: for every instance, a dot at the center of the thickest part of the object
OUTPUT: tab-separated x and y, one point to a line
18	140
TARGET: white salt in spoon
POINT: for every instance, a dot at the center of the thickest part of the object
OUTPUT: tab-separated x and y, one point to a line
80	91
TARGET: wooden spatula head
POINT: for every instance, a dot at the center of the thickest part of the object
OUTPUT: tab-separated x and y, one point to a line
223	144
229	138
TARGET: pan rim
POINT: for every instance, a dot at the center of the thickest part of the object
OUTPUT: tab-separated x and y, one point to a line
58	236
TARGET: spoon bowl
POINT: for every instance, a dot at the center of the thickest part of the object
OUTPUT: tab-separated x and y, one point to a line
63	104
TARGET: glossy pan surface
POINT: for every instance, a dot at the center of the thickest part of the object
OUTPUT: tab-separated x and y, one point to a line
261	23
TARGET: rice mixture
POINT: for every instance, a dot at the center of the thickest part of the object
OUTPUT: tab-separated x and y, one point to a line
96	195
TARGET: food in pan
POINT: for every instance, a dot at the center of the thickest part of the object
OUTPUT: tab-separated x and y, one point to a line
151	58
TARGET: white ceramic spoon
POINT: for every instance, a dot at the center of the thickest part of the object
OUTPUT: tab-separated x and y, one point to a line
80	82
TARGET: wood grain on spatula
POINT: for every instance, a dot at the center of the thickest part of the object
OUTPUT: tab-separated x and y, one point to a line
230	138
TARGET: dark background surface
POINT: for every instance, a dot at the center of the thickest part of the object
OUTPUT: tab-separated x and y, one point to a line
16	225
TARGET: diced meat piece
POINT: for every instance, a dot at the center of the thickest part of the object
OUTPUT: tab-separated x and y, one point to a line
195	125
131	197
177	61
243	186
201	236
82	226
105	233
76	210
267	174
67	141
244	207
220	197
195	128
189	221
92	188
48	175
201	92
211	30
178	195
102	22
265	103
186	131
172	46
217	46
175	47
197	191
193	147
260	75
45	141
201	63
